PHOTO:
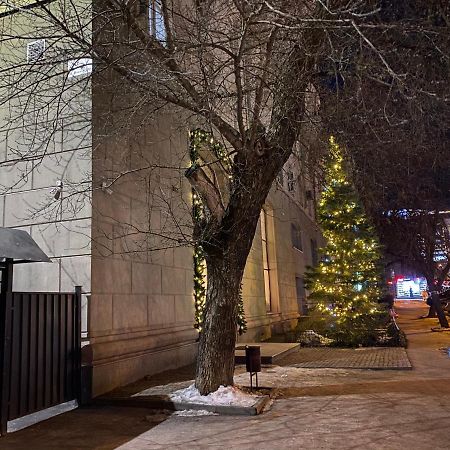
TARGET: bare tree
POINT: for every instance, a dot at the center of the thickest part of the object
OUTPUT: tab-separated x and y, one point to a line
396	129
239	69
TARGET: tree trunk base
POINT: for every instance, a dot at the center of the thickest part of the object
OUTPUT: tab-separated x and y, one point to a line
215	360
437	306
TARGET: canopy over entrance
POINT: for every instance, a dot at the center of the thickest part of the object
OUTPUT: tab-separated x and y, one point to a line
19	246
16	247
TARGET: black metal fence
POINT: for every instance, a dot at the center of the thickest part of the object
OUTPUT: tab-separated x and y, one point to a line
41	352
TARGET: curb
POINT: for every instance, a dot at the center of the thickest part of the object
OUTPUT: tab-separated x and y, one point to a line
164	402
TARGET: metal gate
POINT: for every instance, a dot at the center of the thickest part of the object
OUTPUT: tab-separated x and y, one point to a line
40	352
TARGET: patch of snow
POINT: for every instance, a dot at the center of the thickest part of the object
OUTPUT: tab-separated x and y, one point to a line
224	396
33	418
194	413
310	338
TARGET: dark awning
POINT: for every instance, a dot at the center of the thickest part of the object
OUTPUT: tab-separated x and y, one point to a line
19	246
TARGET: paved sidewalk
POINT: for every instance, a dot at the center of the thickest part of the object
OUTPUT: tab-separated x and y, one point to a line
316	409
349	358
336	408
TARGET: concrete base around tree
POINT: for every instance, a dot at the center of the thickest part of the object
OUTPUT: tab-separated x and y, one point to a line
158	398
161	402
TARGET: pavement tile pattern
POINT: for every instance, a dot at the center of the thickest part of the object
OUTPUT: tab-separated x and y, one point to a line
348	358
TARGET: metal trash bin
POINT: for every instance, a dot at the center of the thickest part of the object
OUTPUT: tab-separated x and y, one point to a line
253	358
253	362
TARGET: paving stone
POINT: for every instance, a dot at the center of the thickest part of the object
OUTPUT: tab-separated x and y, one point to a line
348	358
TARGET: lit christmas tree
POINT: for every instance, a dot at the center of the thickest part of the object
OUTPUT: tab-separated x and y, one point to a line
345	285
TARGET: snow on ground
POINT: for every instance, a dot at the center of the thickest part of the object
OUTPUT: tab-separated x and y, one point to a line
224	396
194	413
282	376
272	376
185	392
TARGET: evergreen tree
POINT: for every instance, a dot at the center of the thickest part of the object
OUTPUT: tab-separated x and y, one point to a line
345	285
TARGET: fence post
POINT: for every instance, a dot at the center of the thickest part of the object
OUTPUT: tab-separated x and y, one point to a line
77	355
5	340
86	375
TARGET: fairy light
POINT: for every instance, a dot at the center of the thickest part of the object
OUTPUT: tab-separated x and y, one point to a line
345	284
197	139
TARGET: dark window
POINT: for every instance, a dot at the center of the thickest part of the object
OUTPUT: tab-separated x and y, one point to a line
35	50
296	236
280	178
290	181
143	6
301	296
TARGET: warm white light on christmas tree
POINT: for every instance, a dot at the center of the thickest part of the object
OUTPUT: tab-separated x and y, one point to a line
345	285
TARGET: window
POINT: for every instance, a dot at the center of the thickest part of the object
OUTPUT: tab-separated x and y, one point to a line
296	237
8	8
301	296
280	178
79	67
290	181
35	50
314	258
156	23
265	256
143	6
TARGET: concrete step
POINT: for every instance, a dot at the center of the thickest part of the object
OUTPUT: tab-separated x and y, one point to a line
271	352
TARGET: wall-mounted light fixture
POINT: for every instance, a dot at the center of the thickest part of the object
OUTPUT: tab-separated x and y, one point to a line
56	191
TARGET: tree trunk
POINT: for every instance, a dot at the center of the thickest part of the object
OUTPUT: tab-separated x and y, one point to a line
436	304
215	361
432	311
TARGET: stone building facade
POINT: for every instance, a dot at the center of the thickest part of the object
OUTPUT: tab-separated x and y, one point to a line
104	196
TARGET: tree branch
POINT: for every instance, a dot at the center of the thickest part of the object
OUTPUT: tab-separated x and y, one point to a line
207	190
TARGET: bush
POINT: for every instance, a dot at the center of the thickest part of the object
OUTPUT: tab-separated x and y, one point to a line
397	338
368	331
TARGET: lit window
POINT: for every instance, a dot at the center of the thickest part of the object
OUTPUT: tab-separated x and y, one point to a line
79	67
265	256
